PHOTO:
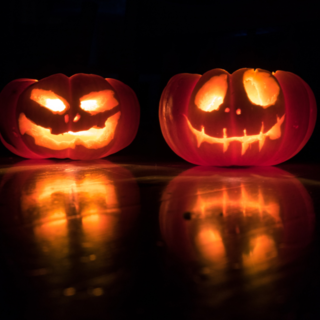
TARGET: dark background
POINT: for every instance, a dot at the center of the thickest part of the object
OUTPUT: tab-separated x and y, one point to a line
145	42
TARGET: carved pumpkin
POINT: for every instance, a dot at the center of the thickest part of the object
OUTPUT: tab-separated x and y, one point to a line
250	218
250	117
81	117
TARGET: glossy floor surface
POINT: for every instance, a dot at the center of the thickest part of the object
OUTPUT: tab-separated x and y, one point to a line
116	240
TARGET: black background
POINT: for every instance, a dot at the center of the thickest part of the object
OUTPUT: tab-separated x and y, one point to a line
145	42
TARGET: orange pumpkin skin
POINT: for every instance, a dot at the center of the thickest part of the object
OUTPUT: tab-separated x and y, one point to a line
240	130
82	117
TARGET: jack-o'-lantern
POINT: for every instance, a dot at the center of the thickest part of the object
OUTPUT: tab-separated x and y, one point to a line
249	218
250	117
81	117
75	216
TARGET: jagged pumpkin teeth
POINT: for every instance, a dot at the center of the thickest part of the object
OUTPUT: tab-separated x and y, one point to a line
81	117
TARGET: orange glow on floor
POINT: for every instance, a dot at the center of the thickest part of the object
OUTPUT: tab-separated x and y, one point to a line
244	204
240	198
263	249
53	196
210	244
62	197
98	227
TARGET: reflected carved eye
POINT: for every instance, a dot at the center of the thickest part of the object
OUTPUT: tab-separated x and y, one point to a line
212	93
261	88
99	101
49	100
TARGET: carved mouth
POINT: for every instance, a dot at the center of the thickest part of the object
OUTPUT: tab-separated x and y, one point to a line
273	134
94	138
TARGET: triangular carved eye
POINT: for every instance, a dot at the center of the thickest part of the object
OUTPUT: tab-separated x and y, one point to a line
211	95
98	101
261	88
49	100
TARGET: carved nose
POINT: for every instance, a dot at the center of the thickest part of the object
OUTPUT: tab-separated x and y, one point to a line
76	118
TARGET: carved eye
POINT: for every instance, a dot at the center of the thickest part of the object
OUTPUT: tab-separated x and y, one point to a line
49	100
99	101
261	88
212	93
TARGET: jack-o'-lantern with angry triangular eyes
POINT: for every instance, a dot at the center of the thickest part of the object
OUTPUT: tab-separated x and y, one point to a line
81	117
250	117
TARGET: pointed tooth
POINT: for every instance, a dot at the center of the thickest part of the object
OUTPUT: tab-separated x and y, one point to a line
261	141
224	131
244	147
199	137
225	146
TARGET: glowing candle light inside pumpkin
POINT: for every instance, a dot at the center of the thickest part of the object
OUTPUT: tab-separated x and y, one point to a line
261	88
49	100
79	117
212	94
96	102
274	133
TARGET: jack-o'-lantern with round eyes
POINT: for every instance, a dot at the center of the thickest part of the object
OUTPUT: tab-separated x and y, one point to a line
250	117
81	117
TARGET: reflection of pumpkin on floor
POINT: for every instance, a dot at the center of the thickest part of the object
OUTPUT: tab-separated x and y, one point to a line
239	218
250	117
77	212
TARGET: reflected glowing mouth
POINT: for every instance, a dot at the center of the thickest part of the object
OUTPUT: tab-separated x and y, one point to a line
94	138
274	133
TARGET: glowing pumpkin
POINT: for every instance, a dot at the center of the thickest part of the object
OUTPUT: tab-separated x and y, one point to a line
250	117
81	117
